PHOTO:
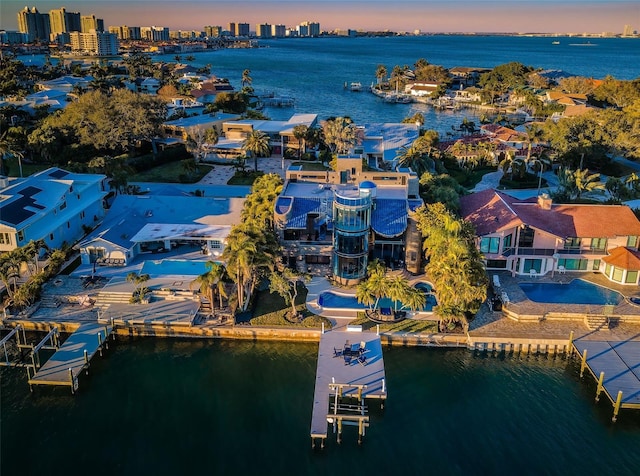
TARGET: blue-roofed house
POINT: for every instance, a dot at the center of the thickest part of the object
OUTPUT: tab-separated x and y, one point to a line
340	220
53	205
138	224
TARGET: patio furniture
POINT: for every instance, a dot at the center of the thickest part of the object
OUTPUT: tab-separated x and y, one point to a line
385	311
337	352
561	269
533	273
362	360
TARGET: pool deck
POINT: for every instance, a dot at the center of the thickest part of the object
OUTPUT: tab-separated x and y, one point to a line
521	308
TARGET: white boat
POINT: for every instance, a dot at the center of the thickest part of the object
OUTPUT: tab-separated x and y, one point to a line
355	86
555	42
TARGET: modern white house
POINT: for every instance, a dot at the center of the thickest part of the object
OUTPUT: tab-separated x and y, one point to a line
140	224
53	205
535	237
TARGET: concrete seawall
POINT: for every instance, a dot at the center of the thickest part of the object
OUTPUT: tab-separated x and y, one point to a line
490	344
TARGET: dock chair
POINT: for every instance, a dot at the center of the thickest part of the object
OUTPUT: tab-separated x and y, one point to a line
362	360
347	359
337	352
362	348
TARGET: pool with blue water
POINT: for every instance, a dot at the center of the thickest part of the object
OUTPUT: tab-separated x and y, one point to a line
174	267
577	291
334	300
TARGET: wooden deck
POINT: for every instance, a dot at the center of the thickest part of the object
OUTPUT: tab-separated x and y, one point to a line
69	360
332	369
620	363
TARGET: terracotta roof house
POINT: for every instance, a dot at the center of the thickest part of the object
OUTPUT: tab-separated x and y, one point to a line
535	237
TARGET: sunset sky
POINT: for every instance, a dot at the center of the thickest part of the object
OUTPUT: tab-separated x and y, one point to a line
594	16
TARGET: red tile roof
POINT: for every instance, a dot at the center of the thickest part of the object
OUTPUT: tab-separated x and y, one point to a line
622	257
491	211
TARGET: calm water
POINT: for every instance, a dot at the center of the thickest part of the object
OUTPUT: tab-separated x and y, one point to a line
169	407
577	291
314	71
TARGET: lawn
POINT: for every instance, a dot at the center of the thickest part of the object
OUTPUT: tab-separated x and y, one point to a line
27	168
244	178
311	166
270	310
172	172
408	325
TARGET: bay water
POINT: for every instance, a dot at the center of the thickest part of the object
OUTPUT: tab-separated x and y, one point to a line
173	407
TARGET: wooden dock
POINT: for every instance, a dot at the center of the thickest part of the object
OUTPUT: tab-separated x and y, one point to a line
339	377
66	364
616	368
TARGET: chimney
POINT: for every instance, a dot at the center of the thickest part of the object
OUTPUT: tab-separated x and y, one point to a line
545	201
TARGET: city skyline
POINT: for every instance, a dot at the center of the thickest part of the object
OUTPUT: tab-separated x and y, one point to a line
541	16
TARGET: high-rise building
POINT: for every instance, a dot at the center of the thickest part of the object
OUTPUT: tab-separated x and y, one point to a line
154	33
90	22
263	30
628	31
278	31
213	31
239	29
34	24
95	42
63	22
242	29
309	29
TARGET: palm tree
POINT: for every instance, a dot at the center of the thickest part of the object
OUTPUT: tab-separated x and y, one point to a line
239	255
300	133
32	251
381	73
415	159
212	281
256	144
8	149
138	289
340	134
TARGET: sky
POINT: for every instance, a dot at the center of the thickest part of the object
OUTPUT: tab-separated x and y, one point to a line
563	16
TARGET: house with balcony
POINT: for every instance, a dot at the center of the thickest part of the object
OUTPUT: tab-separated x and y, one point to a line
535	236
280	134
338	221
53	205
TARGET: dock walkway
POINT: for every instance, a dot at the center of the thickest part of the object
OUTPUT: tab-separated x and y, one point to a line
615	366
65	365
354	379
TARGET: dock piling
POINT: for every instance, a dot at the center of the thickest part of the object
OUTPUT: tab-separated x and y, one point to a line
600	386
583	365
616	407
86	361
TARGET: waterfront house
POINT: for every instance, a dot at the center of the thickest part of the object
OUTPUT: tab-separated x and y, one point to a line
421	89
383	142
180	129
158	222
280	134
335	222
53	205
535	236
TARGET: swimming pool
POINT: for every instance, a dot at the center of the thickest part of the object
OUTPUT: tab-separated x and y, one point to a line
424	286
333	300
577	291
174	267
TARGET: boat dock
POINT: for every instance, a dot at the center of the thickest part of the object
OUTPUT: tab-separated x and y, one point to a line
350	366
616	368
66	364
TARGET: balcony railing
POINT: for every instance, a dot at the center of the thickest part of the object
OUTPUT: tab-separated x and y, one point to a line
550	252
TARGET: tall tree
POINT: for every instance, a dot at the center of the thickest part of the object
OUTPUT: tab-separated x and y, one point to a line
256	145
286	283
